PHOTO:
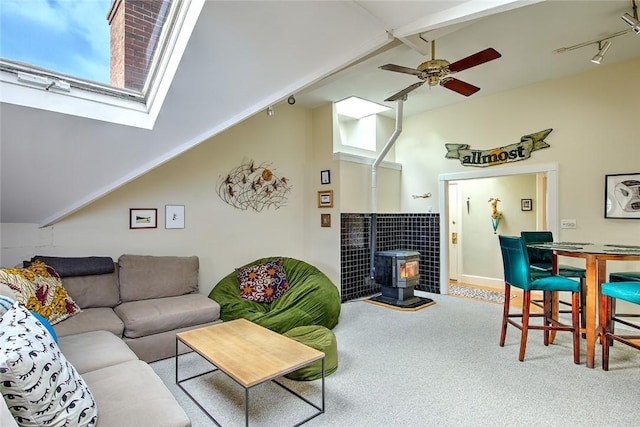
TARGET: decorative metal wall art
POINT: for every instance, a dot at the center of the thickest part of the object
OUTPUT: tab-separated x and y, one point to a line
497	156
254	187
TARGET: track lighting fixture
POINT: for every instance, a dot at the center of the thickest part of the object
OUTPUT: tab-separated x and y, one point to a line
270	111
633	21
603	47
291	100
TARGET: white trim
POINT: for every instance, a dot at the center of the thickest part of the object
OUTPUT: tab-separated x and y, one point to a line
550	169
354	158
481	281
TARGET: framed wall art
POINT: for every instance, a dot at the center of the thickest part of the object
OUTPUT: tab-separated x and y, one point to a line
174	216
325	220
143	218
526	204
325	199
325	177
622	196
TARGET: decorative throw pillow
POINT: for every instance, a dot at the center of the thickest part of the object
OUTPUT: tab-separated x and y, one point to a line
39	385
40	289
263	282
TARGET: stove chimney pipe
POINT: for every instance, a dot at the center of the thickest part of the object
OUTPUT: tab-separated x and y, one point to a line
374	187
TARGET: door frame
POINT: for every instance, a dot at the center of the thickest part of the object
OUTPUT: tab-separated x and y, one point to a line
549	169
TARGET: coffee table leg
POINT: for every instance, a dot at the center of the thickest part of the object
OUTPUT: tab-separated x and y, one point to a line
323	385
246	407
176	360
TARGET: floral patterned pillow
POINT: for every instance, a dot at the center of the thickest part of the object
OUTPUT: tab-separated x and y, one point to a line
40	289
264	282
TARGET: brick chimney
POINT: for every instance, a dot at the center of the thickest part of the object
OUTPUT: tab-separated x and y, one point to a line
135	28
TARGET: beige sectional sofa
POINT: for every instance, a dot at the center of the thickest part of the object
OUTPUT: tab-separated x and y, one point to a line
130	310
144	300
126	390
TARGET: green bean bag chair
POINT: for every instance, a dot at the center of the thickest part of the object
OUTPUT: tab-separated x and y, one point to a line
311	299
322	339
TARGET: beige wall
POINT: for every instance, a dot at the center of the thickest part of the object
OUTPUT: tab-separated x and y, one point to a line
594	116
223	237
479	244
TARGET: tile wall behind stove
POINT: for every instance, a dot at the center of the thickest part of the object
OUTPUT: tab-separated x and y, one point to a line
412	231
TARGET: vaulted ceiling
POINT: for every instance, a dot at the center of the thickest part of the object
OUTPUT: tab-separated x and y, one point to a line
244	56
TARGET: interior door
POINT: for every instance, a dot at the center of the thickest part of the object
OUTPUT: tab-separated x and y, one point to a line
454	229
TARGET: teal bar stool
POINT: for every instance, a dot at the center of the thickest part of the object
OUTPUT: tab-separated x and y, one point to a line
516	273
541	261
623	276
610	292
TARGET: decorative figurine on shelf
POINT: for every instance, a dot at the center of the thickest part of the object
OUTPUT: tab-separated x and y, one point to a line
495	214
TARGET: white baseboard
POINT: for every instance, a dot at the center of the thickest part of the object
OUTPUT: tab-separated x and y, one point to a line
481	281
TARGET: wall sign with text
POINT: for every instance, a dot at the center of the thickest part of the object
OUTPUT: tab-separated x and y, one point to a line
497	156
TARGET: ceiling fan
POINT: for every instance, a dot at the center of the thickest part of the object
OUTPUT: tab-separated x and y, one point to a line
436	71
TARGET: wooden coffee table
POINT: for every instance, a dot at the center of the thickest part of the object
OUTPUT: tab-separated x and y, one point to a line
249	354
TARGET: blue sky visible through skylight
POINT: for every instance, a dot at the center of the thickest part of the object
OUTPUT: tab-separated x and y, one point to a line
65	36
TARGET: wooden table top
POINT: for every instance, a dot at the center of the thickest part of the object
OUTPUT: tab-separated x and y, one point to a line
249	353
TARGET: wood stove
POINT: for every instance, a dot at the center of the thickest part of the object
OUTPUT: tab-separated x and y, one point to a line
398	273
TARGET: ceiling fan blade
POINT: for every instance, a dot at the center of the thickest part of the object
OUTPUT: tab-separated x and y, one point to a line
476	59
404	91
459	86
401	69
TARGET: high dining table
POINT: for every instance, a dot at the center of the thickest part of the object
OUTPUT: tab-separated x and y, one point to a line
596	257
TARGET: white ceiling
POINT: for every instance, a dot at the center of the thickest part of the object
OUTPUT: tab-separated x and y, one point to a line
244	56
526	37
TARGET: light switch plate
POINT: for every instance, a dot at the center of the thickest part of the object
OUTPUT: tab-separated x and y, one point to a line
567	223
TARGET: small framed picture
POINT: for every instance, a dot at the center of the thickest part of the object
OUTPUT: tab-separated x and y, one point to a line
143	218
325	220
622	196
325	177
325	199
174	216
526	204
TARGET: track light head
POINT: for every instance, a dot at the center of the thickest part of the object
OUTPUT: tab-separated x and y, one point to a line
270	111
635	24
603	48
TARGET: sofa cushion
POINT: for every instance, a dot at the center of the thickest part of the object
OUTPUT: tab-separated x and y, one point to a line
91	319
38	383
152	316
40	289
100	290
262	282
160	346
147	277
130	394
6	417
95	350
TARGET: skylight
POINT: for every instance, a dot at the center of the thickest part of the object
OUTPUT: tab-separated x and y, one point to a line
65	36
358	108
118	53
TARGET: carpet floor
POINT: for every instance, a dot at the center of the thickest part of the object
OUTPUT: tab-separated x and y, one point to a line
436	367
